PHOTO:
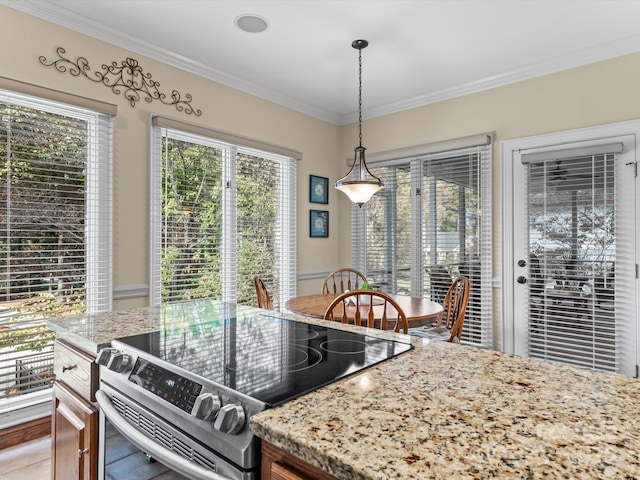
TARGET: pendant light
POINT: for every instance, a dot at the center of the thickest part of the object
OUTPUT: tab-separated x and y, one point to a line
359	184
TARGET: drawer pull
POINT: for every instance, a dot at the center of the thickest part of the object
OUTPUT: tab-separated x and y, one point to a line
65	368
82	452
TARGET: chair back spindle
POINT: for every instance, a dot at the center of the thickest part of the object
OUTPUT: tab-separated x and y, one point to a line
450	322
343	279
368	308
264	299
455	307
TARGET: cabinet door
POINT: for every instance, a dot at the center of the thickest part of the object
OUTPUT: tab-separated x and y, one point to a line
74	432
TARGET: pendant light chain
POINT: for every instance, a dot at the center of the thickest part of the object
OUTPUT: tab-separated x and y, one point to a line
360	95
359	184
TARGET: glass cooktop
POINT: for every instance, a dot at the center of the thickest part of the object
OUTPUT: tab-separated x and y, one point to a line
263	356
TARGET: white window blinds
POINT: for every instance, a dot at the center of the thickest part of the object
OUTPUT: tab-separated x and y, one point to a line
222	214
55	229
430	223
580	231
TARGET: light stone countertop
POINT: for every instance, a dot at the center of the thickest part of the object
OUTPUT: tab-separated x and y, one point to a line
447	411
94	332
440	411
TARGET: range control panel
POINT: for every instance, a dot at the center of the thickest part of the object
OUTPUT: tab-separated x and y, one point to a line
182	392
167	385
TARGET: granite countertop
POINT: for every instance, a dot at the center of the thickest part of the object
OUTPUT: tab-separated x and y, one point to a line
94	332
441	411
448	411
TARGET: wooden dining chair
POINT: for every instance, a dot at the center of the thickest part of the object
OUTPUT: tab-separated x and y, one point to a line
343	279
264	300
450	322
368	308
440	281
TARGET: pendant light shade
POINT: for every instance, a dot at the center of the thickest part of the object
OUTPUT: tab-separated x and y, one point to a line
359	184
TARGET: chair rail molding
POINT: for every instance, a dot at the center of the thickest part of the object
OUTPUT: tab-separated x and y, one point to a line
130	291
313	275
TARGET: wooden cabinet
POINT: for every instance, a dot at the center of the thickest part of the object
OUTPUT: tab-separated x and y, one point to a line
74	420
280	465
281	471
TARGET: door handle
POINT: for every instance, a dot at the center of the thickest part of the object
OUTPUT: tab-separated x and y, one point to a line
521	279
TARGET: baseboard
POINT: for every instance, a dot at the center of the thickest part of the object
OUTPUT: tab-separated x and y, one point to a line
25	432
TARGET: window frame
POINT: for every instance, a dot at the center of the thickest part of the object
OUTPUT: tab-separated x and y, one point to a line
480	145
231	146
98	228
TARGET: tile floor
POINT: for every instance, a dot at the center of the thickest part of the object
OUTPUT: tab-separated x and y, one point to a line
27	461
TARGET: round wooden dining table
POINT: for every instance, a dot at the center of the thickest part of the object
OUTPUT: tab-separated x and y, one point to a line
419	310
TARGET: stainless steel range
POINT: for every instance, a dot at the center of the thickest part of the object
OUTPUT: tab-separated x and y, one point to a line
183	395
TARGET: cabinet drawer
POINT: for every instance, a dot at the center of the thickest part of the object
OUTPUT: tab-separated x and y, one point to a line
76	368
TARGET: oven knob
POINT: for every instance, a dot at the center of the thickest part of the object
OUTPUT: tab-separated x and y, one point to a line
206	406
230	419
104	355
119	362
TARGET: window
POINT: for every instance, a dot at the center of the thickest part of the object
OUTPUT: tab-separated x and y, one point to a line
55	232
223	213
431	222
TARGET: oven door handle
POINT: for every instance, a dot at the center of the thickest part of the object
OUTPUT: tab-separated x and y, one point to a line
144	443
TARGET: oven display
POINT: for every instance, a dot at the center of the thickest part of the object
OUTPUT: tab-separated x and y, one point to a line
167	385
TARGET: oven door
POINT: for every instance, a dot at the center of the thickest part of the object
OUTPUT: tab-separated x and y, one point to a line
135	444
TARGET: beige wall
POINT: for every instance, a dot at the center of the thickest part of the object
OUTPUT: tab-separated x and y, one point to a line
26	38
596	94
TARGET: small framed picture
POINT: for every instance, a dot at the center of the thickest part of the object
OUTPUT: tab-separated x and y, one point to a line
318	223
318	189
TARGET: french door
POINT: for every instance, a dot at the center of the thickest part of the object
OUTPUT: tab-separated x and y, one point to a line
572	268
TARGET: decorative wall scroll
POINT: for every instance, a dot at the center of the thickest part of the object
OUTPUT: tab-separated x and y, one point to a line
126	78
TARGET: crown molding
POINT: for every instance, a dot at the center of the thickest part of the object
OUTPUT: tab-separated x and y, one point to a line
67	19
553	65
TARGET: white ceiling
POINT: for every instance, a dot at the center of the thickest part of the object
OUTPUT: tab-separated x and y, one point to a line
420	51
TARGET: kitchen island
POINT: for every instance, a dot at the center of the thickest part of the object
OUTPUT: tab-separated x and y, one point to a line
442	411
449	411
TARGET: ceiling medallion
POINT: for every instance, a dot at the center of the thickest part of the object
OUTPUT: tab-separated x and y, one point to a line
127	78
